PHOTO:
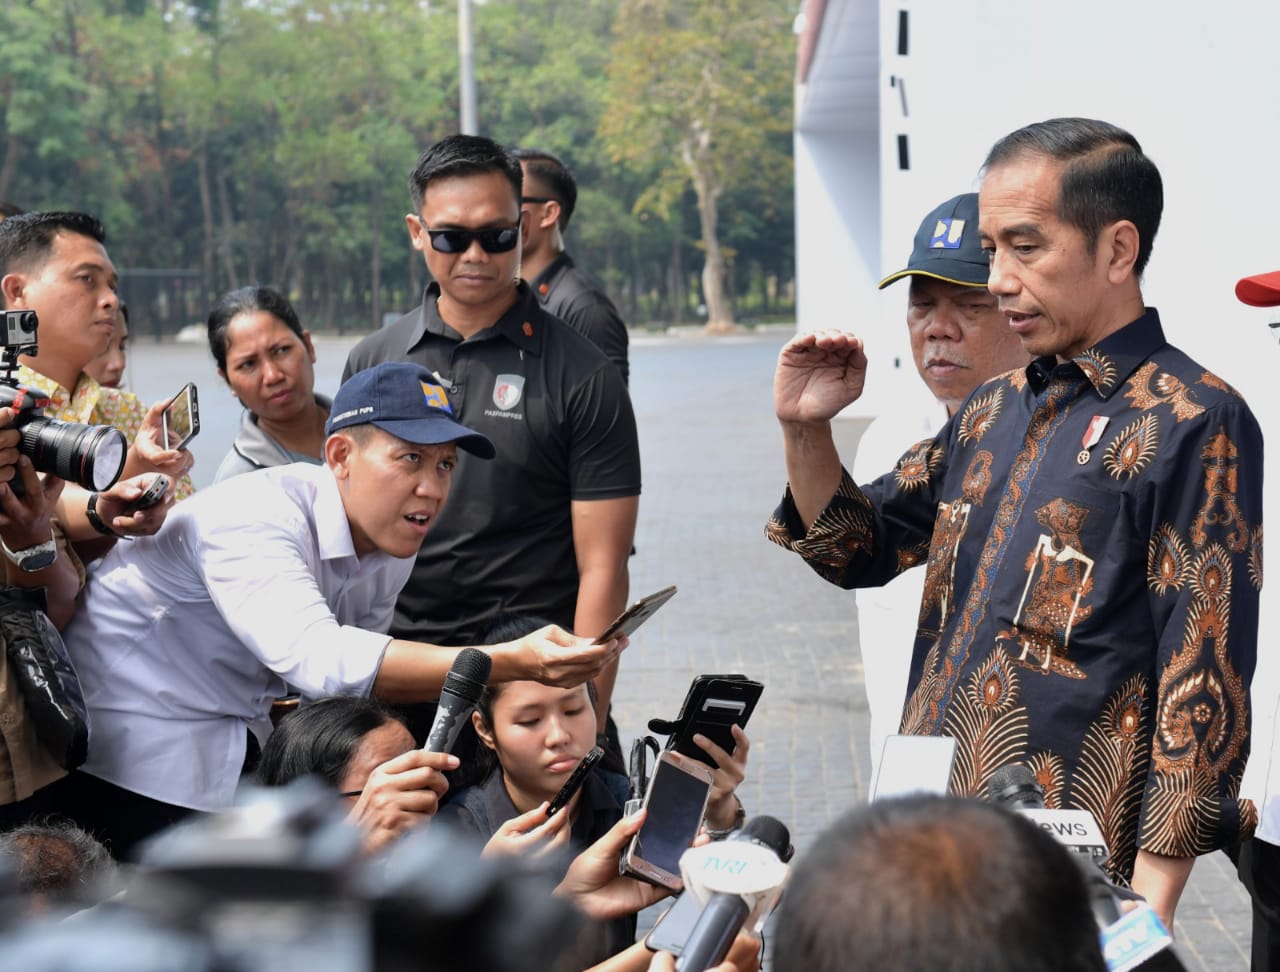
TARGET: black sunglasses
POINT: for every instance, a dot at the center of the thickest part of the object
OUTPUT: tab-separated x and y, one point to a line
501	240
537	199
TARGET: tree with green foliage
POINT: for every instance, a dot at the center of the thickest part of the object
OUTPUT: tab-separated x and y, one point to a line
695	93
228	142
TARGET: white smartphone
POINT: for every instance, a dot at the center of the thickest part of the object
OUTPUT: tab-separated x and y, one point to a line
914	764
671	931
181	419
676	802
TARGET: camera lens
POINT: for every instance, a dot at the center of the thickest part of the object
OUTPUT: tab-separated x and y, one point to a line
90	455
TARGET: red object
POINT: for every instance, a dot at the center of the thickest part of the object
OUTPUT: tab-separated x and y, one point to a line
1262	290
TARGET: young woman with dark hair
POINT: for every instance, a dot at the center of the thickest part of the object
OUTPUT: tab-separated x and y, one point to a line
365	752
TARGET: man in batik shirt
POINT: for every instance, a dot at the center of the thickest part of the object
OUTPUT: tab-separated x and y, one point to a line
1092	526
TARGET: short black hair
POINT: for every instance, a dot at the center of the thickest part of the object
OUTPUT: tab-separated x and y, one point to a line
319	739
246	300
555	175
27	239
8	209
462	155
1105	176
927	882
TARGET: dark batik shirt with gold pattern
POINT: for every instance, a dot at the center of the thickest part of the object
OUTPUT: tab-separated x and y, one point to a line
1092	539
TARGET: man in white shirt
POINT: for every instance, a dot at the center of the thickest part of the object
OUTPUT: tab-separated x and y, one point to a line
959	339
289	574
1259	857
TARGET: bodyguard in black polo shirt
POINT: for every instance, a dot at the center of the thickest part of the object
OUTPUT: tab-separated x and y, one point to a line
547	526
566	292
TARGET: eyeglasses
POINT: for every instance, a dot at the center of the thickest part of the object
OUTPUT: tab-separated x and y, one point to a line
537	199
499	240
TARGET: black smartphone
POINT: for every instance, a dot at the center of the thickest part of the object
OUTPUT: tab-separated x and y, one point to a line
636	615
671	931
181	419
676	802
574	783
714	704
152	495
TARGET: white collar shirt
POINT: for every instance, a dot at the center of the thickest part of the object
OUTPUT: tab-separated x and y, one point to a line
183	639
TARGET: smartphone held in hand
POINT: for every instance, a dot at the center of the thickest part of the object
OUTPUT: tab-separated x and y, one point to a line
675	804
180	420
636	615
574	783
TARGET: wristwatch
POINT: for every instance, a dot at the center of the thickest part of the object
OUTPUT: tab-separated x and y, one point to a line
739	819
95	521
33	558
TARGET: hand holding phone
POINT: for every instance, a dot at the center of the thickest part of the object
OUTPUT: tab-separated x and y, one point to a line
636	615
713	705
151	495
575	781
675	805
181	419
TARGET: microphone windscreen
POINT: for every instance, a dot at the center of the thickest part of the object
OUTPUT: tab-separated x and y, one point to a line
468	674
1015	785
771	832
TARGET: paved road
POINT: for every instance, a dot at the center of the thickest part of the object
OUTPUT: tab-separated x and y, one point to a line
713	471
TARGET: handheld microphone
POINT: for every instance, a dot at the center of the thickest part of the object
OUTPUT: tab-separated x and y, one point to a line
1015	786
1135	940
737	880
462	688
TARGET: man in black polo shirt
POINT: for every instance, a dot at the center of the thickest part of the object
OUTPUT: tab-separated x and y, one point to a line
546	527
549	197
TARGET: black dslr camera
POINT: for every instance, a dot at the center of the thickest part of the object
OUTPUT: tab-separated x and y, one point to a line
90	455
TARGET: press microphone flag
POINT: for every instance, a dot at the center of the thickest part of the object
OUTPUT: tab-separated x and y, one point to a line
462	689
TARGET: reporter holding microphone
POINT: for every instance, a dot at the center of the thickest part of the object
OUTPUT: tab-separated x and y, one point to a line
285	574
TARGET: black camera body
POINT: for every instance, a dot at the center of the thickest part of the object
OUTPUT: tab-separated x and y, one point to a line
90	455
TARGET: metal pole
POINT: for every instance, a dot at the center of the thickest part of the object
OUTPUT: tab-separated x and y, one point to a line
466	71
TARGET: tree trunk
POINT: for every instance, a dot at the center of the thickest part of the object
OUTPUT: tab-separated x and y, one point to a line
224	245
719	311
206	218
375	260
696	153
9	171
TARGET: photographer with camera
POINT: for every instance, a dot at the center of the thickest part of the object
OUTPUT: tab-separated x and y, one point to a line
287	574
56	264
43	576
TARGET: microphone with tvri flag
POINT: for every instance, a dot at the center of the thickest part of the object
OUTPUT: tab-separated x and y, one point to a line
738	882
1135	939
463	686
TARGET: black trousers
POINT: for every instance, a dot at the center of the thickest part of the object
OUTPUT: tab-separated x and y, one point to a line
119	818
1258	864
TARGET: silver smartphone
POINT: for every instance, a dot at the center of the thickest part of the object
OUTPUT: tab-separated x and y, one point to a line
181	418
676	802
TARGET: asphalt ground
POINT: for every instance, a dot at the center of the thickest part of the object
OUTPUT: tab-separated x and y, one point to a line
713	472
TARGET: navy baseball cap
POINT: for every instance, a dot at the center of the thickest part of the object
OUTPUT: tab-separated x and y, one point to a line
1262	290
947	246
407	401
